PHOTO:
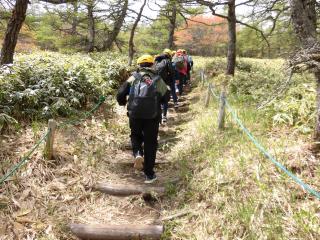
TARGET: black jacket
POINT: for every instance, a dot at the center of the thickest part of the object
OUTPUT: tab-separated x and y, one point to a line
164	68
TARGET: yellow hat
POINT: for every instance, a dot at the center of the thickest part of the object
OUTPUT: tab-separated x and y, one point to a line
145	59
173	53
167	51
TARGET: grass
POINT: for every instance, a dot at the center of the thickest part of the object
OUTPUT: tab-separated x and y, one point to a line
230	188
235	192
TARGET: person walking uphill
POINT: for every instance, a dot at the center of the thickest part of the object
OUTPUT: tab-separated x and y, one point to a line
146	91
164	68
180	65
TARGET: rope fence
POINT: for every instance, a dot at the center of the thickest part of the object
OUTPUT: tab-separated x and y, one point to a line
48	137
225	104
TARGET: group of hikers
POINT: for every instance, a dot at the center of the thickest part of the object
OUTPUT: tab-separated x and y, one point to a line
147	93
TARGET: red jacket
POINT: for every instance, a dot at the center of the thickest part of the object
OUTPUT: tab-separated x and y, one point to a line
184	70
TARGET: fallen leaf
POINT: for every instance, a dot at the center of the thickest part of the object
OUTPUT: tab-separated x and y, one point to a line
68	198
39	226
24	220
22	212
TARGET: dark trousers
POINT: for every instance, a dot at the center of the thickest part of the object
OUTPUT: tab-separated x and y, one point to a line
173	92
145	131
181	84
164	107
182	81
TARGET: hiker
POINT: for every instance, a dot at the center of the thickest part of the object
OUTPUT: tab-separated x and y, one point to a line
146	91
164	68
190	66
180	65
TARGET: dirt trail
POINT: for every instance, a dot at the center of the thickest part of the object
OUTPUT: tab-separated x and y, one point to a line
134	209
45	196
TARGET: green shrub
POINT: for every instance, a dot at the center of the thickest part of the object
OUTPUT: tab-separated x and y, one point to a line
259	81
47	84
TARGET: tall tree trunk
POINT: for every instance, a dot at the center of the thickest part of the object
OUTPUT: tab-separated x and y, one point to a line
117	27
231	56
131	43
74	18
317	127
91	27
172	23
13	29
304	19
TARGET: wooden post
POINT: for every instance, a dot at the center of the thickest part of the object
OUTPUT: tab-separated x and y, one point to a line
117	232
208	96
222	108
48	150
202	77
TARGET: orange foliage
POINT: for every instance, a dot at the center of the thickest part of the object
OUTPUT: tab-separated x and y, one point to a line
26	40
202	34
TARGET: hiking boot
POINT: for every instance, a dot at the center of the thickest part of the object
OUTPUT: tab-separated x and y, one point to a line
150	179
164	120
138	162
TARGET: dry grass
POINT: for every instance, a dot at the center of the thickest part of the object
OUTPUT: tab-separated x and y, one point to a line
234	191
46	195
227	188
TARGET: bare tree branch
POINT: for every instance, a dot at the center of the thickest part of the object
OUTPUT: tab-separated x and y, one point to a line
58	1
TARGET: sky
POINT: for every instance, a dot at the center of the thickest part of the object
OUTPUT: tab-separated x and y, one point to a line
150	11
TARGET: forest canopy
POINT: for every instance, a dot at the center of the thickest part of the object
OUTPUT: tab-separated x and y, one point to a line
99	25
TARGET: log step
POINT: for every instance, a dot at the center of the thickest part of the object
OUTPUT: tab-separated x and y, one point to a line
117	232
127	190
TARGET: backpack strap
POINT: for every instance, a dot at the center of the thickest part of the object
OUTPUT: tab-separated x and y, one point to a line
155	80
137	76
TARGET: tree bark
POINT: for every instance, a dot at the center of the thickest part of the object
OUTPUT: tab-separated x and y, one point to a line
172	23
74	18
304	20
131	43
117	27
231	56
317	127
13	29
91	27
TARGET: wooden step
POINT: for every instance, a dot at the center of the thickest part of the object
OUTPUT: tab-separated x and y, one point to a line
117	232
127	190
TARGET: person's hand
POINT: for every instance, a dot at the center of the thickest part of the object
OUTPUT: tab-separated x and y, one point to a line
177	81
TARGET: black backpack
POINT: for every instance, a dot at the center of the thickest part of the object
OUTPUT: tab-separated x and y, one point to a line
163	70
144	100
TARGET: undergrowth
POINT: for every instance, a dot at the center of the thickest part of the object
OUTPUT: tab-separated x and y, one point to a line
266	84
43	85
230	188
